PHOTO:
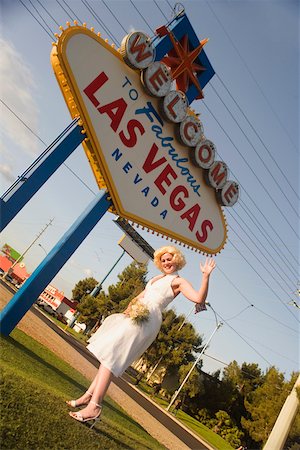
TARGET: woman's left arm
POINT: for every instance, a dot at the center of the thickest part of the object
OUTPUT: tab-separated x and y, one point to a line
187	289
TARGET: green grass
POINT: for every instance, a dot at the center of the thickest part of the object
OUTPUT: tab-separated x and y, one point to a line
34	386
203	431
79	336
197	427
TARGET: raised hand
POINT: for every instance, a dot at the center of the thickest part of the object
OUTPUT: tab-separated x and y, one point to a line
208	266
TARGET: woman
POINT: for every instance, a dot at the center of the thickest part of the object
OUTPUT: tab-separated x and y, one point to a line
124	337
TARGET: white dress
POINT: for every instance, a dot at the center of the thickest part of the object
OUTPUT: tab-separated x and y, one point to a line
119	340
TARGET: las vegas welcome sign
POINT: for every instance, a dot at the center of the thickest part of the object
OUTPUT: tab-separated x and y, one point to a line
144	144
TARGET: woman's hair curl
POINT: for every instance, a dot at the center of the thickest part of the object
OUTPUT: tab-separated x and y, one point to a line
178	257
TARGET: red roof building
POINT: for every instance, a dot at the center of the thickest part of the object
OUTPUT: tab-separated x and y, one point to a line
51	295
56	299
19	273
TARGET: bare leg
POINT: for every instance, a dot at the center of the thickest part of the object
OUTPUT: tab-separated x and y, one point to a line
85	398
99	385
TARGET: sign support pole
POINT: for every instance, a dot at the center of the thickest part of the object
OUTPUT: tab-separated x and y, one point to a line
54	261
22	190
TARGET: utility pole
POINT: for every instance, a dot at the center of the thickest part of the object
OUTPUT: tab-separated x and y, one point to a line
193	366
25	251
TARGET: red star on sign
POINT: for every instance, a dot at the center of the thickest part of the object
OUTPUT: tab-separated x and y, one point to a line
182	63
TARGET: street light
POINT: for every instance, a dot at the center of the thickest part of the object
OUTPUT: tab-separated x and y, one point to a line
186	317
170	347
218	325
40	245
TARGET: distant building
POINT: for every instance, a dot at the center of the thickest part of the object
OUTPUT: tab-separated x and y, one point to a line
57	300
12	254
18	273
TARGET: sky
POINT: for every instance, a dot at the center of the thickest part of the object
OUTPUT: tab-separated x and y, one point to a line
251	113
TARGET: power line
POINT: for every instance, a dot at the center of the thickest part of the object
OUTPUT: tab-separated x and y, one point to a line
114	16
263	255
70	9
237	149
172	8
258	136
264	281
101	23
73	12
46	10
158	7
232	327
253	348
252	170
22	121
43	142
266	236
41	17
141	16
250	304
260	243
238	314
271	349
51	37
250	73
27	249
258	155
228	364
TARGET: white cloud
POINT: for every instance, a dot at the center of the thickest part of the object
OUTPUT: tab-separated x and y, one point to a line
88	272
7	172
17	89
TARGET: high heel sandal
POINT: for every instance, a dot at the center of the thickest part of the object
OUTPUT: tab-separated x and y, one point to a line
78	415
73	403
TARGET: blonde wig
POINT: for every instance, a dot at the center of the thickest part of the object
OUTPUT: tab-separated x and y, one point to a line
178	257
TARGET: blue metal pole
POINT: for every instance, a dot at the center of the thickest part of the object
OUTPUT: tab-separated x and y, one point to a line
21	191
54	261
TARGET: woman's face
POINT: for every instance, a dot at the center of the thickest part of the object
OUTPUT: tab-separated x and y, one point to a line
167	263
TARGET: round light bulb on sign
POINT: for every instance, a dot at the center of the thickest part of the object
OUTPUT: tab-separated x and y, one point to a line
216	176
229	194
190	131
157	79
137	50
204	154
174	106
